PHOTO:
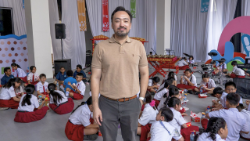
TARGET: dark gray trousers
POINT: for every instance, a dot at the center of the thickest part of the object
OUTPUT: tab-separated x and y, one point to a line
114	112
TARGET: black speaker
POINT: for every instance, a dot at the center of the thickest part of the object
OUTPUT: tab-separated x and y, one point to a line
242	85
60	31
66	63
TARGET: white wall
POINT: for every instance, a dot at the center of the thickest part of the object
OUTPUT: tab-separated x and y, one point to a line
163	25
38	35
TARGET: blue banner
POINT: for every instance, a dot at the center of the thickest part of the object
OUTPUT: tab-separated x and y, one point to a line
23	3
204	5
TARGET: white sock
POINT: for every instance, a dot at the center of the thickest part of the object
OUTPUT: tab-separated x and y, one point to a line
67	93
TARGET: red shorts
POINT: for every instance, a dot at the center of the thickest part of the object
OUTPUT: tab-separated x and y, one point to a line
157	102
33	83
24	79
26	117
63	108
77	96
144	132
233	75
184	67
183	86
142	107
185	132
74	132
9	103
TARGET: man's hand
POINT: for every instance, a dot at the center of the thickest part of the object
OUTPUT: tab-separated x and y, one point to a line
97	114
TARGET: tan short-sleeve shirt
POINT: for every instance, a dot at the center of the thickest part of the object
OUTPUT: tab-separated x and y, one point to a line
120	67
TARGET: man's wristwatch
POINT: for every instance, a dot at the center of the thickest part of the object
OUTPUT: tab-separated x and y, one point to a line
141	98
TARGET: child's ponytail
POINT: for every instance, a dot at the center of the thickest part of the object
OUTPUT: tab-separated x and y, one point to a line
88	102
56	96
29	90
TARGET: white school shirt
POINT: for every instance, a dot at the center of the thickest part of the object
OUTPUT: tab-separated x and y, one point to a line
235	120
81	116
150	82
246	114
224	64
223	99
159	94
28	108
177	121
193	80
166	77
211	84
148	115
238	71
20	72
81	86
19	90
205	137
191	62
30	77
40	86
161	104
182	63
64	98
159	133
7	94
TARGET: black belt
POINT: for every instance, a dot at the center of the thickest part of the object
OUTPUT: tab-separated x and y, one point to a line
23	111
61	104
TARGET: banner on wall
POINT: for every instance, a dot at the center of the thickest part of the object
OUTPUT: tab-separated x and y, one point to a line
13	49
82	15
105	15
204	5
133	7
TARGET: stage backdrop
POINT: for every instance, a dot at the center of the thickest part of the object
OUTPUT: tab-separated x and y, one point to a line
13	49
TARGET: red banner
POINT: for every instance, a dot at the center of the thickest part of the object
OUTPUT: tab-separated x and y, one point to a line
105	15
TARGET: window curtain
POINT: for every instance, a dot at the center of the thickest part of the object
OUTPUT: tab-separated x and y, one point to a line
220	13
74	46
144	25
18	12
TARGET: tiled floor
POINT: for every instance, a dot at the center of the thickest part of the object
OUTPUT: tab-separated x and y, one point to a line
52	126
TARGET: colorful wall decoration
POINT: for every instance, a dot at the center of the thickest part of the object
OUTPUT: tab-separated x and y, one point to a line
13	49
245	40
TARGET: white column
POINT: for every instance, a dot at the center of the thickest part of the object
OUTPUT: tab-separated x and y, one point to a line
38	35
163	25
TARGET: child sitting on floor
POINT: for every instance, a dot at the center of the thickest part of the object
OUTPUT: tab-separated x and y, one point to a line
7	76
207	85
162	103
33	77
230	87
161	129
183	64
26	110
216	130
67	80
42	86
61	76
246	114
79	70
236	122
18	72
237	72
79	126
175	106
147	117
188	81
160	93
171	74
190	60
220	67
59	103
79	88
153	84
8	98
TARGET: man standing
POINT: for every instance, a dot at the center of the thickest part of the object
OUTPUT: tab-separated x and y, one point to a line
117	63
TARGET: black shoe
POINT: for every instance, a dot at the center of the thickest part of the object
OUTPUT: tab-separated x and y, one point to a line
196	93
90	137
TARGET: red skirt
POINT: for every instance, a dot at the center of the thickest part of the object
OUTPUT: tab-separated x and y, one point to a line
144	132
33	83
185	132
233	75
184	67
183	86
157	102
63	108
27	117
24	79
9	103
77	96
74	132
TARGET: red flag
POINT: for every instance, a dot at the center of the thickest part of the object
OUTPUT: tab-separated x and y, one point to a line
105	15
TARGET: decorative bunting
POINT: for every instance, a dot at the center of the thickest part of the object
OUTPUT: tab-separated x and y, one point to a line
133	7
204	5
105	15
82	15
